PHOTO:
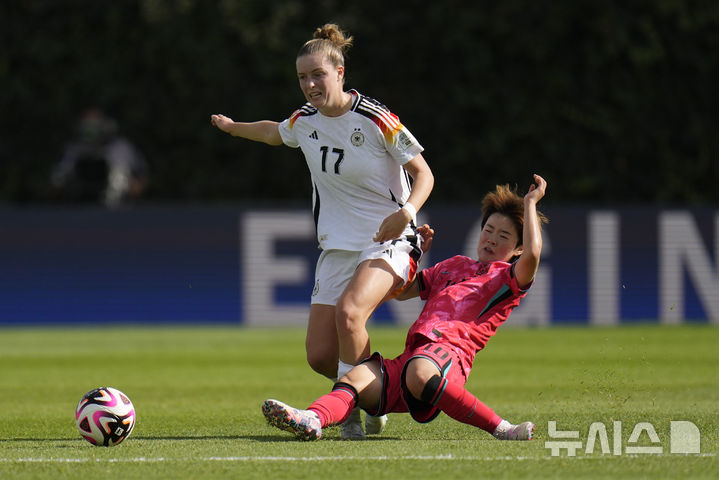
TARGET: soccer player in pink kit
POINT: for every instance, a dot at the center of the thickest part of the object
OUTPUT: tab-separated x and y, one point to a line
466	301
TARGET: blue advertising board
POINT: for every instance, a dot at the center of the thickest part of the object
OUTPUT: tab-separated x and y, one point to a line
202	265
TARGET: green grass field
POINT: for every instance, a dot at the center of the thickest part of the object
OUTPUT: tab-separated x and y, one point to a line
197	392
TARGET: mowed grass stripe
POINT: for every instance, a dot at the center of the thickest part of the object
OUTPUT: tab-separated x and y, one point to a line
198	393
320	459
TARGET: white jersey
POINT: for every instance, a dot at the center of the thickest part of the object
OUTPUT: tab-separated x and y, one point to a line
355	162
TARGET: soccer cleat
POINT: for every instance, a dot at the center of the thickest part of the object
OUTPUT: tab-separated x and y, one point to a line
375	425
351	429
523	431
305	424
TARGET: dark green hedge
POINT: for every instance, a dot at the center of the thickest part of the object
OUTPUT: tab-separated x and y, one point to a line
612	101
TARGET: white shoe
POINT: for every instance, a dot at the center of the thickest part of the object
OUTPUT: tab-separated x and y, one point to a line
305	424
375	425
523	431
351	429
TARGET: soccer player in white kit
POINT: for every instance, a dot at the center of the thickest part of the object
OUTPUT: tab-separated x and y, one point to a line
360	158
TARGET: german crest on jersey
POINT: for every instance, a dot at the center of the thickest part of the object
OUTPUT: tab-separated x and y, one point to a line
357	138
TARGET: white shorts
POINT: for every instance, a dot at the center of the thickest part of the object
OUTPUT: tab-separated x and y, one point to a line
335	267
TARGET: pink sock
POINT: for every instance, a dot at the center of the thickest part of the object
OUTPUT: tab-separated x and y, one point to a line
458	403
336	406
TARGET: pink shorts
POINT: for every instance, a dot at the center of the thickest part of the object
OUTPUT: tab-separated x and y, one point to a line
395	396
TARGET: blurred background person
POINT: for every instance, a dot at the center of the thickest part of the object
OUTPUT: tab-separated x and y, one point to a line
100	165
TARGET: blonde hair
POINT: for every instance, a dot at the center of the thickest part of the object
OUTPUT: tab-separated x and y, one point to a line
329	41
506	201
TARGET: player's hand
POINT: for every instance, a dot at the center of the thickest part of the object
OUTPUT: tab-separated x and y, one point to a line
221	121
393	226
536	190
427	234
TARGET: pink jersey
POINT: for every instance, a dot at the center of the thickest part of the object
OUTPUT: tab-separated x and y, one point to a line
466	302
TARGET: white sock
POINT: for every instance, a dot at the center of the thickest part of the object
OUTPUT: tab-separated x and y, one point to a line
501	431
343	369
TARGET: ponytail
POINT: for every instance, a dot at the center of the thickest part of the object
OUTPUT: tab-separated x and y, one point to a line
329	41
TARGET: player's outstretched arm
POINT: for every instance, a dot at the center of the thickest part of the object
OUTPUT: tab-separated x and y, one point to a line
526	266
265	131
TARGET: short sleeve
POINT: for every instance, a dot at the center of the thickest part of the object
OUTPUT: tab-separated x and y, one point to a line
402	145
514	285
426	279
288	136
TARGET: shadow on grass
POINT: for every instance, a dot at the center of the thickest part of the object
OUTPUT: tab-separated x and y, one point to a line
194	438
258	438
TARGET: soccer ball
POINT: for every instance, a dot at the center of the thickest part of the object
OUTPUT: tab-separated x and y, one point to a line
105	416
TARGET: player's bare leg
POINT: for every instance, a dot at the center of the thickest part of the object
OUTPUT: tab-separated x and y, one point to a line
370	285
321	341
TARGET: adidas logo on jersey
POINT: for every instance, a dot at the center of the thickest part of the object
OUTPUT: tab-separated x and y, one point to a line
313	135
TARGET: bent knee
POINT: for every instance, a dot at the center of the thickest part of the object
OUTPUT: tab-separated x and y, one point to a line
418	374
323	364
349	317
